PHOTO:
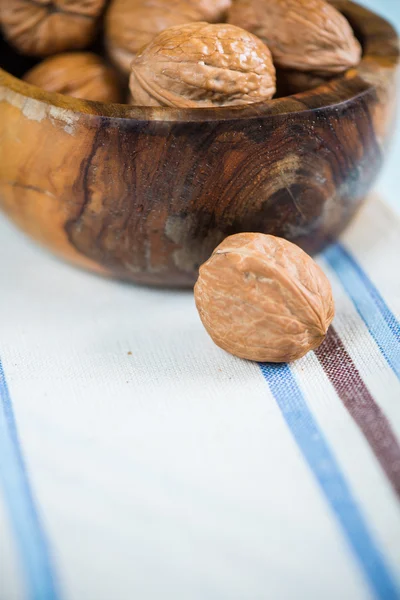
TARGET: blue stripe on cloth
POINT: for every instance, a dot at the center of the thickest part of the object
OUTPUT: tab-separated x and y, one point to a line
381	322
20	504
322	462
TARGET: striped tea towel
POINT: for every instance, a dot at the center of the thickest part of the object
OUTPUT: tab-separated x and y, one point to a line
139	461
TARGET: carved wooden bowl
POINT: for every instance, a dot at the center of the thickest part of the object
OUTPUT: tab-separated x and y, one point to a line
145	194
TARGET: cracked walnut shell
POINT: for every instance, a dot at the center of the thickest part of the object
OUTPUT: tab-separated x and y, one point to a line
43	27
262	298
78	74
307	35
132	24
202	65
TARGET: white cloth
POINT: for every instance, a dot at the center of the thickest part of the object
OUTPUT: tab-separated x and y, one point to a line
157	465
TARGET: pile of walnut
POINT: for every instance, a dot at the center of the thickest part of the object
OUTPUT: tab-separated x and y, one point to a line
259	297
180	53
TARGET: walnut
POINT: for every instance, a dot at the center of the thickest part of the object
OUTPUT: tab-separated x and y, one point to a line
78	74
43	27
202	65
308	35
132	24
262	298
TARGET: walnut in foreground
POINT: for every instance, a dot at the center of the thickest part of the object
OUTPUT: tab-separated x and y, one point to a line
308	35
79	74
262	298
43	27
202	65
132	24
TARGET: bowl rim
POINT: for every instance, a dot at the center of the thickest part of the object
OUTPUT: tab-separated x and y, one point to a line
381	53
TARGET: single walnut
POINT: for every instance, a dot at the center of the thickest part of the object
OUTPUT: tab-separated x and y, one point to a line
132	24
43	27
200	65
263	298
308	35
78	74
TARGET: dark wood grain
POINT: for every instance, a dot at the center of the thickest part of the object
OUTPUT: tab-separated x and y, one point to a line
145	194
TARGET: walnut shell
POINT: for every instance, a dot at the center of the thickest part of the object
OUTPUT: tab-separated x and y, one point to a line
308	35
262	298
202	65
78	74
43	27
132	24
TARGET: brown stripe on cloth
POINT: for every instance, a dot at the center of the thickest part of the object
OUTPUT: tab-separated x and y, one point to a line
351	389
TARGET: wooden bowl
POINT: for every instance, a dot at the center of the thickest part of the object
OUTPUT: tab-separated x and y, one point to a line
145	194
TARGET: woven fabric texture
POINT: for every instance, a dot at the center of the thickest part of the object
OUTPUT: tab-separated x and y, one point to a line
138	460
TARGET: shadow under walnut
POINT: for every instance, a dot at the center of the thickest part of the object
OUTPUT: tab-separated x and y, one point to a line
145	194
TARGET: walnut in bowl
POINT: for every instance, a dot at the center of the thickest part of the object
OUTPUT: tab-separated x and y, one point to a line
78	74
44	27
132	24
146	194
202	65
308	35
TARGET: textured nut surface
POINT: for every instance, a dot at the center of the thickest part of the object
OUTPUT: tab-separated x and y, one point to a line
262	298
202	65
42	27
78	74
132	24
308	35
